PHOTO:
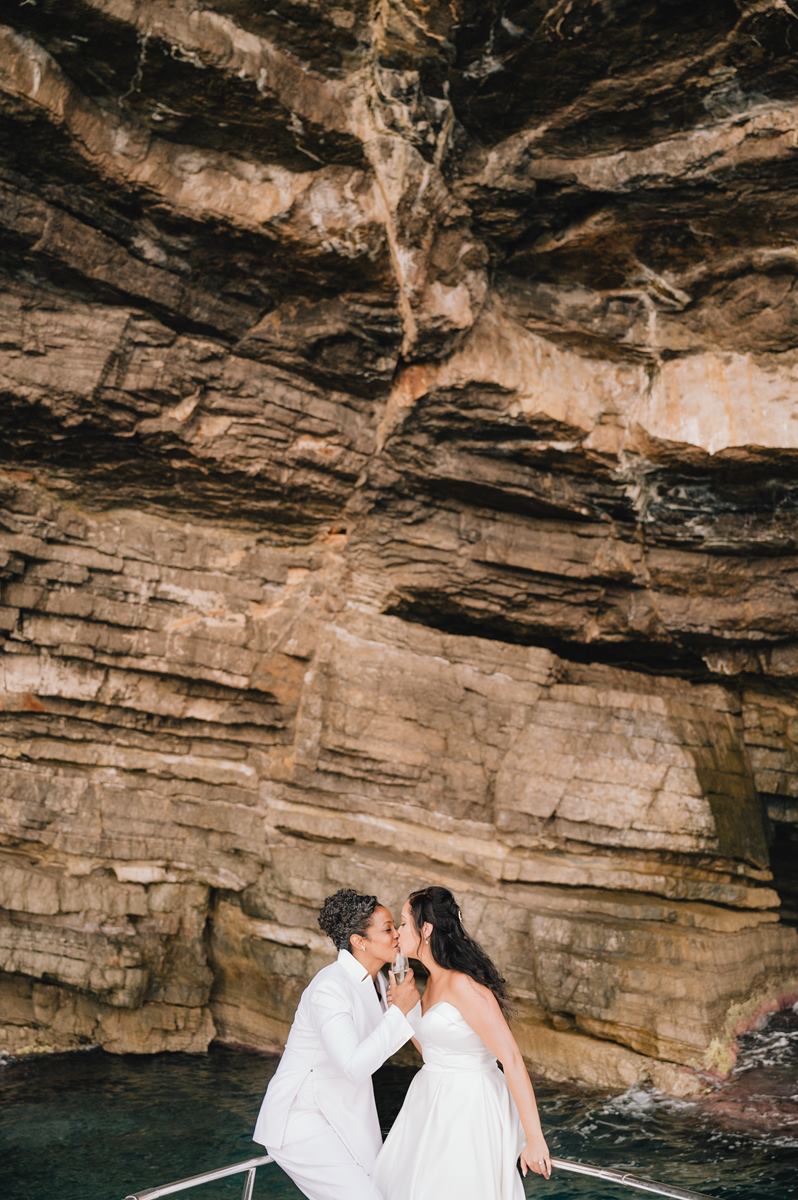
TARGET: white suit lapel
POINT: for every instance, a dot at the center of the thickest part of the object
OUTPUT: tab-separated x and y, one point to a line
367	1004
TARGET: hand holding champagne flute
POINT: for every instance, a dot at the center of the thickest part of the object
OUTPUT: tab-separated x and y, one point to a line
402	990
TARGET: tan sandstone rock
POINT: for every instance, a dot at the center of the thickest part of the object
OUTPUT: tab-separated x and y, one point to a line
398	483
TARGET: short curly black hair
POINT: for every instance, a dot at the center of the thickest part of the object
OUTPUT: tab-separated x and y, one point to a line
344	913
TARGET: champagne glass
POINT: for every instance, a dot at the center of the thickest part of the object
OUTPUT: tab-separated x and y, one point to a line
399	967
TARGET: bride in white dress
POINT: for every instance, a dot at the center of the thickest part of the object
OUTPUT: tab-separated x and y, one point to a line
464	1124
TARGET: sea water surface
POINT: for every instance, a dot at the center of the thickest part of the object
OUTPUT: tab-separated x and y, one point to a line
94	1126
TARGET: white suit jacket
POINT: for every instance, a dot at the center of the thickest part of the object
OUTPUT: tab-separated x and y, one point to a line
341	1036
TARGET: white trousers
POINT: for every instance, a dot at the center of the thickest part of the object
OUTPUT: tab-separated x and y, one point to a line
319	1163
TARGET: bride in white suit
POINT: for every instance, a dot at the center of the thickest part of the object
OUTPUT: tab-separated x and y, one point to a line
318	1119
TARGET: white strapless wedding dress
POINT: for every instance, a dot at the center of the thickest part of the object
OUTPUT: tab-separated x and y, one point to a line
457	1136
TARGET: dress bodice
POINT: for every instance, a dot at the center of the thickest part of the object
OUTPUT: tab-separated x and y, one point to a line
447	1040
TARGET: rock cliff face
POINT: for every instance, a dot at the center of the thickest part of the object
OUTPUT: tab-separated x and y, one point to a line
399	473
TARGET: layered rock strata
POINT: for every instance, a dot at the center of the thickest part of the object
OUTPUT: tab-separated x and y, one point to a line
399	483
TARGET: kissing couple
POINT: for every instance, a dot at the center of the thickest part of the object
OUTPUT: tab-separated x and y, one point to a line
464	1124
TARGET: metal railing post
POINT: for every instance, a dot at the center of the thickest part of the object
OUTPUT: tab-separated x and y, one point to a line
249	1184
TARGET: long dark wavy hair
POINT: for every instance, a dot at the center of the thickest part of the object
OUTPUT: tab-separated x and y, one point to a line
451	944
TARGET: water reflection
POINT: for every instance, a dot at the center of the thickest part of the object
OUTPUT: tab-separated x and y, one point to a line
94	1126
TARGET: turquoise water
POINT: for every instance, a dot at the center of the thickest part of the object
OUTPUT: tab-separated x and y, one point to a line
94	1126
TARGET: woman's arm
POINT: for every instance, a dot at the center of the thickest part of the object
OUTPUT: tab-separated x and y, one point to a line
480	1009
413	1015
359	1059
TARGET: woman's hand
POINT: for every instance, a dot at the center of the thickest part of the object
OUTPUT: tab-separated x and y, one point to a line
404	995
535	1157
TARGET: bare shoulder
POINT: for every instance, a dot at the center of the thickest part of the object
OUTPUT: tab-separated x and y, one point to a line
470	993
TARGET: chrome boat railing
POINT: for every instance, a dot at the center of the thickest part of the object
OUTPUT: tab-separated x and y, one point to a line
624	1179
250	1166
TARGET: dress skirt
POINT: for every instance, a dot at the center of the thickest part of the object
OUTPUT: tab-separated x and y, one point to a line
457	1137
